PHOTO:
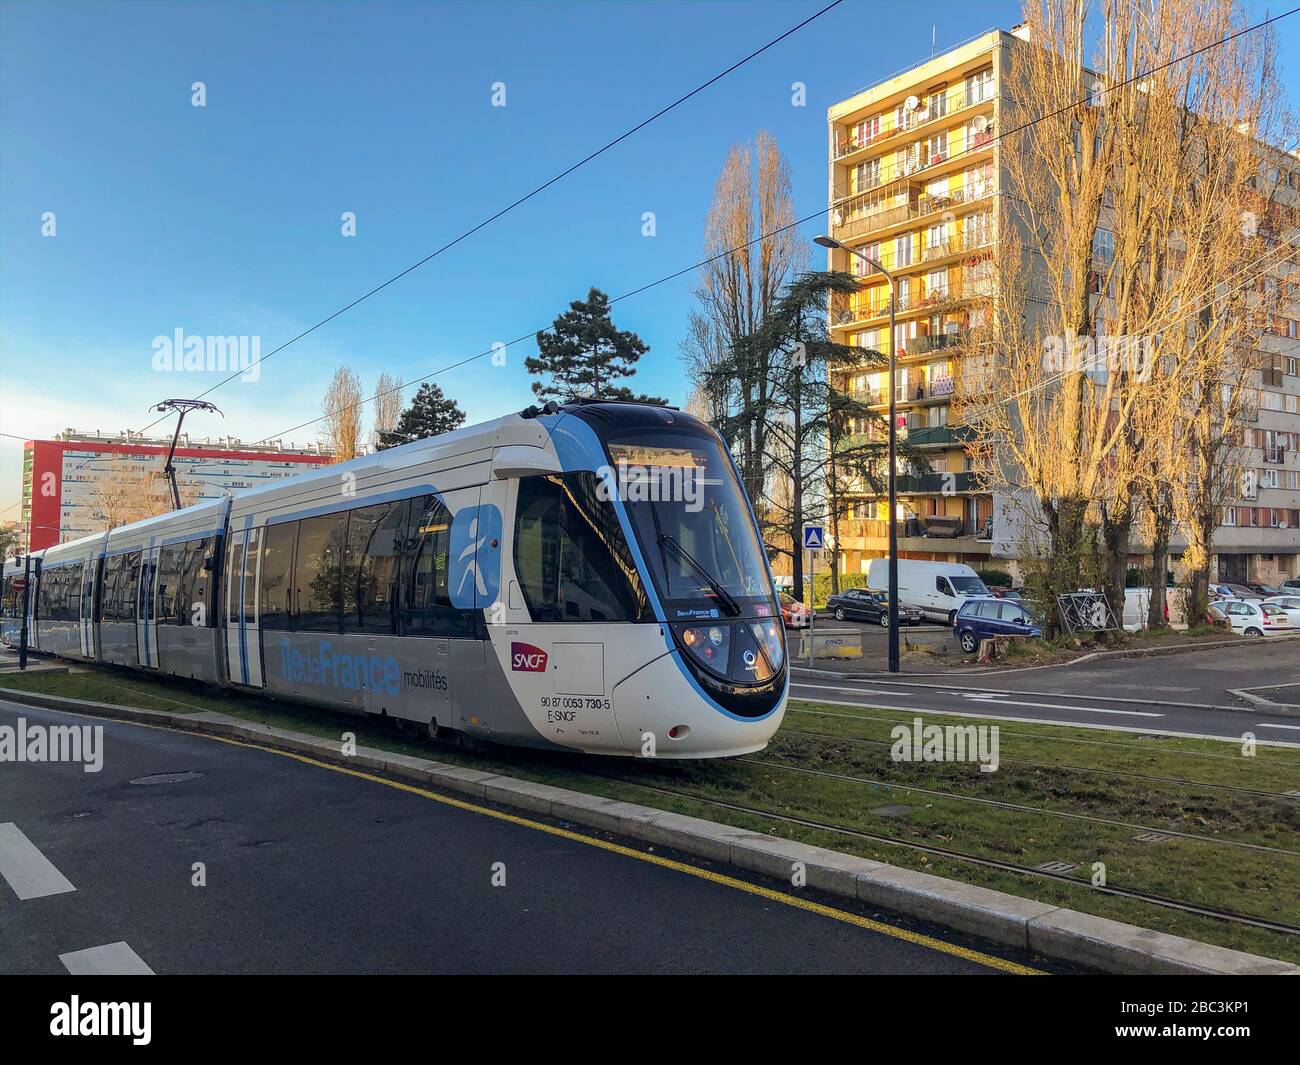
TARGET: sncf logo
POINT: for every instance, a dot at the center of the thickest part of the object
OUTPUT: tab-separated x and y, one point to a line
526	657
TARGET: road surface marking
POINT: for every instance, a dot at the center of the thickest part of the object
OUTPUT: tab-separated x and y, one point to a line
856	691
1172	731
1002	700
1269	724
112	959
26	869
983	697
794	901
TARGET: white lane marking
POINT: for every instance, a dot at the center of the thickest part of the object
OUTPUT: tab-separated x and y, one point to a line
26	869
1172	731
1269	724
112	959
1002	700
855	691
982	697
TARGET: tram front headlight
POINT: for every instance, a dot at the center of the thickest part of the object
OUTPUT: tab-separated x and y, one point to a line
709	645
768	634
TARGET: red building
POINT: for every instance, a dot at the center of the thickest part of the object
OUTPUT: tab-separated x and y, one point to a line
77	483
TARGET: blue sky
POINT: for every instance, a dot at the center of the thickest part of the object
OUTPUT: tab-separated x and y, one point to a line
226	219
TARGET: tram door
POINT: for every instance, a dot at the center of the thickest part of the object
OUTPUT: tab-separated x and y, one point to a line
88	607
243	647
146	613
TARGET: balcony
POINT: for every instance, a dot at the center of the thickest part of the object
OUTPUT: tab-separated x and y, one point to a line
937	435
846	313
935	484
858	219
938	108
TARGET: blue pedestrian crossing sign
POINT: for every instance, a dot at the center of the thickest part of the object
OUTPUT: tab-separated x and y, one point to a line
814	539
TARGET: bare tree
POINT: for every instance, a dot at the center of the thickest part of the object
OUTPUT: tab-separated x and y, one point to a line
342	409
388	403
753	249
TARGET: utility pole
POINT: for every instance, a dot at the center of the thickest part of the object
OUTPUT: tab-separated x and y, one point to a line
182	407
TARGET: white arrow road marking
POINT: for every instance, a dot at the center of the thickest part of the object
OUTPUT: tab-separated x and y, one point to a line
26	869
112	959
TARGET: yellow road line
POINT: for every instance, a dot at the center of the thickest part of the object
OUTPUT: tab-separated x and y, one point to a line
794	901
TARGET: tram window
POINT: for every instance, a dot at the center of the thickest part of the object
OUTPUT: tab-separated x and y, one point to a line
426	601
370	564
169	578
248	579
125	593
116	575
110	572
196	583
571	558
318	572
277	567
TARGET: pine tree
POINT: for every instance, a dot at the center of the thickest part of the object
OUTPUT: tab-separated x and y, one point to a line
583	355
430	414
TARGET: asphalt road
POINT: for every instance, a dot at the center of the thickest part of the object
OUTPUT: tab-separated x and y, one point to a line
311	869
1187	694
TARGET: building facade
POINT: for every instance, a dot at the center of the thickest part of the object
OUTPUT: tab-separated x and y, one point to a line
915	181
78	483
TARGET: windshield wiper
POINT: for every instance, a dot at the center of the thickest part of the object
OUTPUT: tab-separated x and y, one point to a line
733	608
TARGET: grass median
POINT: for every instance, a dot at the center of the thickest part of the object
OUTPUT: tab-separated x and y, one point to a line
1059	794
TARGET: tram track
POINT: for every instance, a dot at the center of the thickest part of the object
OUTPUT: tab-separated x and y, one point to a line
1088	770
1021	807
1166	902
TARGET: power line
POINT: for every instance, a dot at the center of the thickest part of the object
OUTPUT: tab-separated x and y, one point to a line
807	218
527	196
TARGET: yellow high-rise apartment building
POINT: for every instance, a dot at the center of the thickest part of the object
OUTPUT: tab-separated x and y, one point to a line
915	175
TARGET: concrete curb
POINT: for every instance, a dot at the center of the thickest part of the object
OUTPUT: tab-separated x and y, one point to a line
1049	930
1131	652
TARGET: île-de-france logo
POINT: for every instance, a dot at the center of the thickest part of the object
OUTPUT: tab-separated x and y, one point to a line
526	658
475	566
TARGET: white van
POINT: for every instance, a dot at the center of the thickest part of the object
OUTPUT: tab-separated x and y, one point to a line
937	589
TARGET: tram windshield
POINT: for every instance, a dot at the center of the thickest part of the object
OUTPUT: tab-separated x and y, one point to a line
693	524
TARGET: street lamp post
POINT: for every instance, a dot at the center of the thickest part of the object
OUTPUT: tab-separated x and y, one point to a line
832	243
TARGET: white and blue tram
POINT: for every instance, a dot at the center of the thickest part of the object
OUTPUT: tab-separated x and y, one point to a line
586	577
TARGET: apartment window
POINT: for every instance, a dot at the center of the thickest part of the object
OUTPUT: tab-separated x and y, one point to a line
866	175
936	284
865	131
936	148
979	87
938	106
903	250
1103	246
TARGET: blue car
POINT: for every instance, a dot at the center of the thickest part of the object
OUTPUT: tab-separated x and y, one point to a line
985	617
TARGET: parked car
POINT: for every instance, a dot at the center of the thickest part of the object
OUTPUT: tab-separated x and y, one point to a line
937	589
986	617
1243	591
1263	589
794	613
1137	602
1253	618
1215	617
1289	603
1006	593
1290	586
858	604
1221	591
